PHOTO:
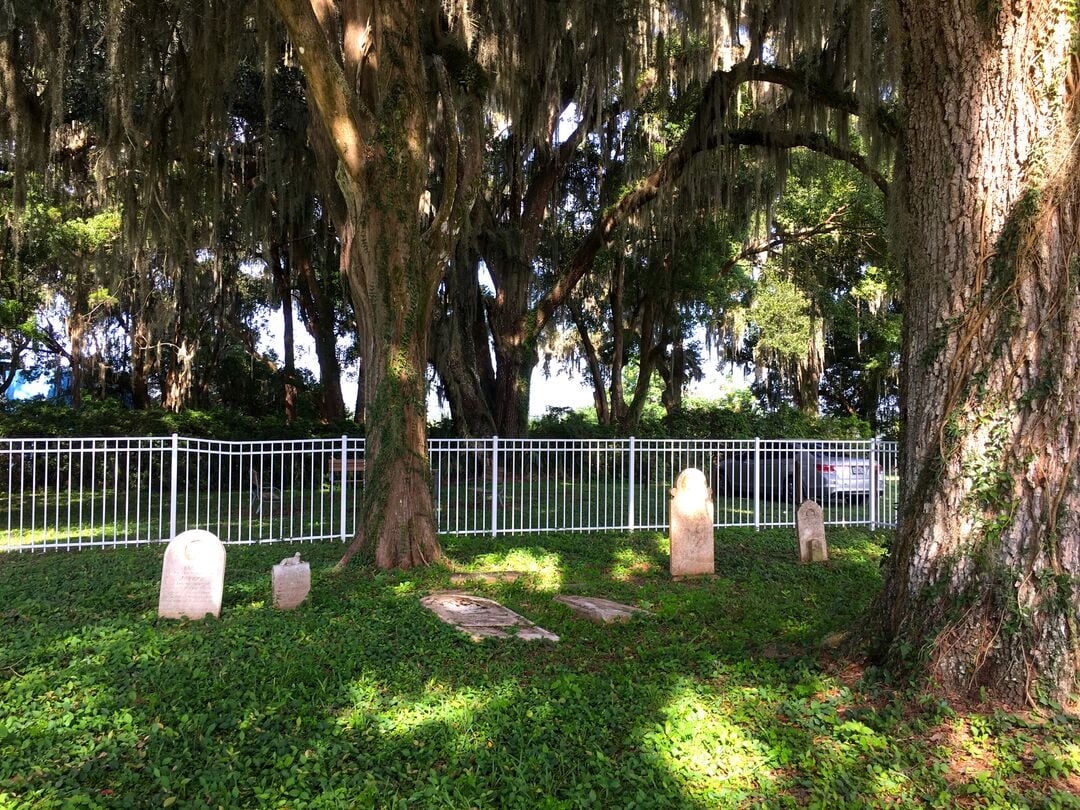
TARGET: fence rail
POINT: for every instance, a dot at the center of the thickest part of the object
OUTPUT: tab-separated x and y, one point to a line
105	492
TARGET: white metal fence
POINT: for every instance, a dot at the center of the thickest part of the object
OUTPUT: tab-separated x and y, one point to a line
103	492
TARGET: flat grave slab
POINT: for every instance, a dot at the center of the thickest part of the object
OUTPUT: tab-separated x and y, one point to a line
601	611
483	618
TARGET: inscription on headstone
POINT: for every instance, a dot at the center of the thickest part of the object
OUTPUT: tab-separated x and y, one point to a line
192	576
810	527
691	514
291	581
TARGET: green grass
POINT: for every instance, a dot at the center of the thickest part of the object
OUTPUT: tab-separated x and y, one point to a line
724	697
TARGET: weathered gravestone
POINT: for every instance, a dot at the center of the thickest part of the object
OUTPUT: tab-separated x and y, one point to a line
192	576
810	527
600	611
691	526
483	618
290	581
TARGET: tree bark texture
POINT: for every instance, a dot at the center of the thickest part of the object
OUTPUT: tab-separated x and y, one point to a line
367	73
460	351
281	270
981	580
317	313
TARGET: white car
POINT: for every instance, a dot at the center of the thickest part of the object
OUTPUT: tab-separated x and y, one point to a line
796	471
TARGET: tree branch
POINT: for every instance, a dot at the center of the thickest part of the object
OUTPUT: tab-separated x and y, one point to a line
334	99
453	150
819	91
814	141
702	135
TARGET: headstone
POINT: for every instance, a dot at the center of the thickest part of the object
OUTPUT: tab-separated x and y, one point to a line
483	618
810	527
600	611
691	526
290	582
192	576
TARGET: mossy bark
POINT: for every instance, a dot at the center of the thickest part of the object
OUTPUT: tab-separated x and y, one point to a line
373	100
981	581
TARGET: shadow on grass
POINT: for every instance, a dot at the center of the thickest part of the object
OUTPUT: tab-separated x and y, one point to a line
362	698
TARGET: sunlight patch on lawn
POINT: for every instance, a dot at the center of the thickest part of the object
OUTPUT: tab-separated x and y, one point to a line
373	710
629	563
543	569
703	747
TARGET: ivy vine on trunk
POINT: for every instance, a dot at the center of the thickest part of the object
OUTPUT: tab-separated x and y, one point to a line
981	582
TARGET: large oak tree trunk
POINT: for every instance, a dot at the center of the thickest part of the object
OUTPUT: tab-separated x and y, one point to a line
514	339
367	71
810	368
981	582
397	527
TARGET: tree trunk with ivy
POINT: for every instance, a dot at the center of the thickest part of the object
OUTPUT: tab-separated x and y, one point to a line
981	587
374	78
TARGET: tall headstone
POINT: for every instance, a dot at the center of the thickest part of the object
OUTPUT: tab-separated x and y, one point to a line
810	527
192	576
691	525
290	581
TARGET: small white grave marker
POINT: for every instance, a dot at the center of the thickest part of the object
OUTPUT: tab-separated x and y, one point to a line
810	527
692	552
290	580
192	576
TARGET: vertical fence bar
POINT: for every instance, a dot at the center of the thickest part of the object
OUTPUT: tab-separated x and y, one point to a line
631	486
173	485
494	485
344	467
757	484
874	476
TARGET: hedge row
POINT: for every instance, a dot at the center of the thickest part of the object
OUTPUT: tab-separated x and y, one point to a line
109	418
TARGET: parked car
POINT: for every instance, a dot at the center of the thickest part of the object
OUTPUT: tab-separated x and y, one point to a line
798	470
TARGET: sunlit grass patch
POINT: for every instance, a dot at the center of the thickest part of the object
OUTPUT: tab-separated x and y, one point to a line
542	568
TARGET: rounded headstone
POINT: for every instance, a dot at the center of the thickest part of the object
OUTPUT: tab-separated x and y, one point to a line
192	576
691	515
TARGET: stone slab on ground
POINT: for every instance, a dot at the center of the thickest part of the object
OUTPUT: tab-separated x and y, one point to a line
465	577
601	611
483	618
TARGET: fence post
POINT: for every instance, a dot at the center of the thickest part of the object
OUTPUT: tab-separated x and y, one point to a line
494	485
633	486
344	478
757	484
173	485
873	484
